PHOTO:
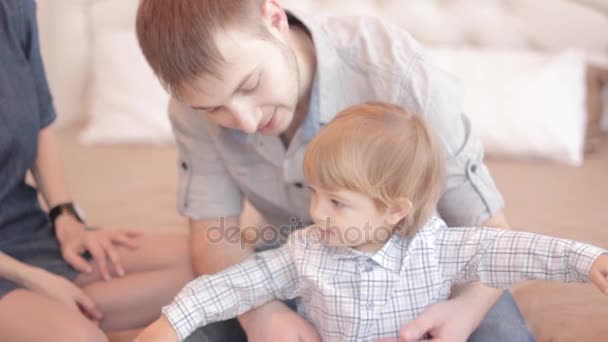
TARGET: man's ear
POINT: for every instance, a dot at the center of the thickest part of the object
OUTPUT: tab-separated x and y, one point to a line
274	16
398	210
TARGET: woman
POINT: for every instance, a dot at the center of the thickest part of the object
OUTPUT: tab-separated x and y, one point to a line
60	281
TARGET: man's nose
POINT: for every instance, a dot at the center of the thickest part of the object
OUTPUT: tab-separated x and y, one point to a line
245	116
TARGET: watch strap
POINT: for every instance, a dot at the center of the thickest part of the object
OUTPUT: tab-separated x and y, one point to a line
64	208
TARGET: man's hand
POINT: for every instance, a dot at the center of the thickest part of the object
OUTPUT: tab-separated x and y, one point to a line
275	322
498	220
457	318
445	321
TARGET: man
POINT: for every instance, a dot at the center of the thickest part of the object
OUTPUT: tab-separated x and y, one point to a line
251	86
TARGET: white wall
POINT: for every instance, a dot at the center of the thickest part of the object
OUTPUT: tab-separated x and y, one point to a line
64	40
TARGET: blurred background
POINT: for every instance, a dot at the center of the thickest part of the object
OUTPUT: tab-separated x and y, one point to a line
524	65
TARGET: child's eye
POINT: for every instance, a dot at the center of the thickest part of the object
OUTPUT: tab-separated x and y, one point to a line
337	204
311	189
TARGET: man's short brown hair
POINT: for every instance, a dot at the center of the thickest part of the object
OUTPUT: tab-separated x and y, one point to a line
177	37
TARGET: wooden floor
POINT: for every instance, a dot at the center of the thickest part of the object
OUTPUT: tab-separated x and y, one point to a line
541	197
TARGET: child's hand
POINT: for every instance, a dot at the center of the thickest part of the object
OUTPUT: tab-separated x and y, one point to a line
599	273
160	331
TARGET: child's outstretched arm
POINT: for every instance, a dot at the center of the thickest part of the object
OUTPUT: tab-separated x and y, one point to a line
210	298
500	258
599	273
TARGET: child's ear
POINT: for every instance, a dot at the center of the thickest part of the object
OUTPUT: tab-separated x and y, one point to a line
398	210
274	16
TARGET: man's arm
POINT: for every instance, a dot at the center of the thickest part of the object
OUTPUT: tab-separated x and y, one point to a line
471	197
471	302
484	296
216	244
206	193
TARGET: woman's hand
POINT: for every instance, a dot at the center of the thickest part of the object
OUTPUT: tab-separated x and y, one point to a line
62	290
75	240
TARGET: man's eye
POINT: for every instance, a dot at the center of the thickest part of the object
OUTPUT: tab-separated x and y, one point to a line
213	110
252	87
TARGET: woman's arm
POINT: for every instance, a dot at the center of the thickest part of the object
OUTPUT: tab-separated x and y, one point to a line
74	239
13	269
48	171
48	284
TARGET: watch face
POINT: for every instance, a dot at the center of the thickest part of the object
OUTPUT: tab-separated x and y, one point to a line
79	212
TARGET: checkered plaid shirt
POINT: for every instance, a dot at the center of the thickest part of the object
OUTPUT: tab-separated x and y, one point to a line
350	295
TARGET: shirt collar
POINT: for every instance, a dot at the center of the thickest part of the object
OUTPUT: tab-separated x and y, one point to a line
390	256
397	249
328	66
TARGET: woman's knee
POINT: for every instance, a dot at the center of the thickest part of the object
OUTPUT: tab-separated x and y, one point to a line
28	316
158	251
86	333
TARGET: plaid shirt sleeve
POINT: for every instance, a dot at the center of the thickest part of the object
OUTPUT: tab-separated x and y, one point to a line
500	258
210	298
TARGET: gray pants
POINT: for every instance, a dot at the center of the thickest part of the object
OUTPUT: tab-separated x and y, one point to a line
504	323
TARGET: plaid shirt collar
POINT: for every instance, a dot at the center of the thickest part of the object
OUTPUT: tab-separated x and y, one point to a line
390	256
394	252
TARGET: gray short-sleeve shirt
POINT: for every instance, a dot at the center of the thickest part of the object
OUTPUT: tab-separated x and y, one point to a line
358	59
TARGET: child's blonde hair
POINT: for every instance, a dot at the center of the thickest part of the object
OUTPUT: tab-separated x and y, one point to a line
384	152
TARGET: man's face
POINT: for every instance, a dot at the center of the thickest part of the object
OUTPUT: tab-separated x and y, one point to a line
257	90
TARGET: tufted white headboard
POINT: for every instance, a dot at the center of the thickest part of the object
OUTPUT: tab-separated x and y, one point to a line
536	24
523	24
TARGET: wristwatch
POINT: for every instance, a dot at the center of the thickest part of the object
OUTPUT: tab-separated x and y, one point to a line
70	208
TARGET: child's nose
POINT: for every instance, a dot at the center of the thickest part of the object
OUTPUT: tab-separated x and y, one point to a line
316	212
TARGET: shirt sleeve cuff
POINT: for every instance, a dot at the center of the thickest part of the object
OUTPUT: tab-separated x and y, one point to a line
183	321
581	258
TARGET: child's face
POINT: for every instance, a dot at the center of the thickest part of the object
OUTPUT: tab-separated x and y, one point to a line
347	218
